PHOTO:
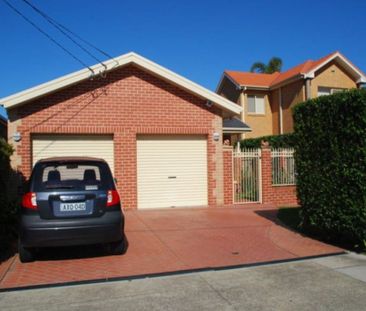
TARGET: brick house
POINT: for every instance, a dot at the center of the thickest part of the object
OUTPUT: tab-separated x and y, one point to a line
267	99
160	133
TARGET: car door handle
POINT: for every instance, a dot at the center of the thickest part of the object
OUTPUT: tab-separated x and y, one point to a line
172	177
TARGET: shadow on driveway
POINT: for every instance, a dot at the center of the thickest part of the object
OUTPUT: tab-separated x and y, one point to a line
74	252
7	250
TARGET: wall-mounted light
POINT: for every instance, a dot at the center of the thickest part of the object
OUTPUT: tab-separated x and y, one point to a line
209	104
216	136
17	137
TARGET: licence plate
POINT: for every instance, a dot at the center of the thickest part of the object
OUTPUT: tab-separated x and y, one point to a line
70	207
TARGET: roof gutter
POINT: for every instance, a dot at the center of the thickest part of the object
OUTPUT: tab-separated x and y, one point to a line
253	87
235	130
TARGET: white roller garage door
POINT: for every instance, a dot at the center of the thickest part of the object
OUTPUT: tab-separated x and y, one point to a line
98	146
171	171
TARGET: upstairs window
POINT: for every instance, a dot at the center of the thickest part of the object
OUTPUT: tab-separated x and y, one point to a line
256	104
322	91
328	90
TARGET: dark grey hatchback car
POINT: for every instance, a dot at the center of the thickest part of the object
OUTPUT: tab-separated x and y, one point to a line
70	201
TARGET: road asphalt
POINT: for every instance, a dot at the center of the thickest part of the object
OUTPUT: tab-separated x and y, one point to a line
327	283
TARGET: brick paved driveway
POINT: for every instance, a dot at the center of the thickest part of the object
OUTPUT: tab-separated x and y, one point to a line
171	240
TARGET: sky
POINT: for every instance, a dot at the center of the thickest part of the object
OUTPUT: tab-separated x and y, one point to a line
196	39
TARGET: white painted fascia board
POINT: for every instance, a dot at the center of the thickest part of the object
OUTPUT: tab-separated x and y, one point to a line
306	75
59	83
187	84
254	87
309	75
125	59
350	66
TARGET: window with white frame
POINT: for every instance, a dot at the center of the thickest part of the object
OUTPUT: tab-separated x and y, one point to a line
337	90
324	91
256	104
328	90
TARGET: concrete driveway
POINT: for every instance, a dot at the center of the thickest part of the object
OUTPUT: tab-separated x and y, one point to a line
331	283
165	241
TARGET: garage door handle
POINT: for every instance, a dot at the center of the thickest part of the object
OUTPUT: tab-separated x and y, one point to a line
171	177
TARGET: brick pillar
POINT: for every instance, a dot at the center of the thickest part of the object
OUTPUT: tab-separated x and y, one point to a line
267	195
228	174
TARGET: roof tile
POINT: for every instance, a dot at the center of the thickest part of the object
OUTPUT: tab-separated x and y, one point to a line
268	80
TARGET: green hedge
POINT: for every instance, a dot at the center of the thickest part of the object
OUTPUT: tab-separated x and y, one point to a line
275	141
8	207
5	153
330	145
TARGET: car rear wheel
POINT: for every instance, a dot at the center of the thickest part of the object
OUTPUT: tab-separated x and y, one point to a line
119	247
25	254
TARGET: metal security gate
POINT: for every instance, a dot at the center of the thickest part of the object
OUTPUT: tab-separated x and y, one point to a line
247	176
283	167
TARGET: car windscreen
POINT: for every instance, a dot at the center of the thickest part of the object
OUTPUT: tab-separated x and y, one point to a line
71	175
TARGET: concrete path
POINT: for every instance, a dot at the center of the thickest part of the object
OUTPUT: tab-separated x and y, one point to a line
162	241
330	283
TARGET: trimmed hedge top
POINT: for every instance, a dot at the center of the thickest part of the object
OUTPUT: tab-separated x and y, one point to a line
275	141
330	144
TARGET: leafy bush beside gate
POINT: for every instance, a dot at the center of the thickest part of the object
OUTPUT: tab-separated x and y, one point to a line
7	207
275	141
330	145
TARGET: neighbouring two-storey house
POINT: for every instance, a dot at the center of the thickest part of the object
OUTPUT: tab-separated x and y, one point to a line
267	99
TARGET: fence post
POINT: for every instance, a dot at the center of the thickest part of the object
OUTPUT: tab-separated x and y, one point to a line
228	174
267	194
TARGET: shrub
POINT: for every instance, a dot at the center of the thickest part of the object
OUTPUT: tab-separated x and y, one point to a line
8	208
275	141
330	155
5	153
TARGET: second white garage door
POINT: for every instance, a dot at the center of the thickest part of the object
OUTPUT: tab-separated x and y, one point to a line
98	146
171	171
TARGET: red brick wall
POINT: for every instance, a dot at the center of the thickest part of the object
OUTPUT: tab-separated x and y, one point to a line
126	103
228	175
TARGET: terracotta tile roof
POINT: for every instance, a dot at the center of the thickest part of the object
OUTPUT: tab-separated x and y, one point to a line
268	80
253	79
